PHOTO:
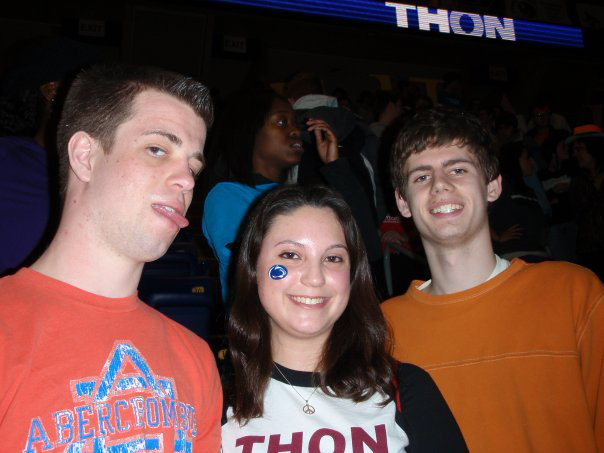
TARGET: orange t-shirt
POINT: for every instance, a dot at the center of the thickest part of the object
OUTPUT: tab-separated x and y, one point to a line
82	372
519	358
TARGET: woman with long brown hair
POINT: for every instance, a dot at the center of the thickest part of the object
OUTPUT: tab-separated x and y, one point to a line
309	343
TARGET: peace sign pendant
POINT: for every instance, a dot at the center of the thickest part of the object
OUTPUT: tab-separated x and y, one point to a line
308	409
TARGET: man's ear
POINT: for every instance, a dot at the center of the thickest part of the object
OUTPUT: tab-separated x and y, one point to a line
494	189
403	206
81	149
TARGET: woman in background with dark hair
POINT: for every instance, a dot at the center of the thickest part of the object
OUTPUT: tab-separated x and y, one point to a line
255	143
309	343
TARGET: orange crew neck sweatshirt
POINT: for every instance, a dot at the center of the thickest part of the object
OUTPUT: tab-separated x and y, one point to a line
519	358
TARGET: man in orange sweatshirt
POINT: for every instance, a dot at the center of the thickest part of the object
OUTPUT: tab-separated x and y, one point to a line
84	364
517	349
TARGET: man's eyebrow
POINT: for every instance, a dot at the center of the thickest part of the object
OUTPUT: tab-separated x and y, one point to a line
169	135
461	160
177	141
447	163
420	168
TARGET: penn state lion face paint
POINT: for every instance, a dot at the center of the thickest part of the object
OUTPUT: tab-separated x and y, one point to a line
277	272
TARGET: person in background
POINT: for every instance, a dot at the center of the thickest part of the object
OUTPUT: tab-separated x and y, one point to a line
518	226
506	130
450	92
256	143
364	105
309	343
542	133
516	348
85	365
562	238
388	109
352	169
30	100
343	99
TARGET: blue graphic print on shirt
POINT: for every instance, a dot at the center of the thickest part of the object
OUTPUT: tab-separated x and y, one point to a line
126	397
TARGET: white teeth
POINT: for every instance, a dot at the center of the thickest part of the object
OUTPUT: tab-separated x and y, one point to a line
168	208
446	208
308	300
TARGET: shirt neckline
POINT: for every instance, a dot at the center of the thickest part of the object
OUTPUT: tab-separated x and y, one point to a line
296	378
501	264
52	286
445	299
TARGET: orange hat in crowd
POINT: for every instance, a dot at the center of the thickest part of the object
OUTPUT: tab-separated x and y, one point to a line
584	131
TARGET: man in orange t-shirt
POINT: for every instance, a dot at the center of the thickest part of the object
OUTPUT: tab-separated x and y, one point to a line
516	349
84	364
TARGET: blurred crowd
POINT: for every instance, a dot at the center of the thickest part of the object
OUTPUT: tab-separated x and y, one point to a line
266	134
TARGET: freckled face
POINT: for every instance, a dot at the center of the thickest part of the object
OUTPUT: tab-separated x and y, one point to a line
140	191
447	196
305	304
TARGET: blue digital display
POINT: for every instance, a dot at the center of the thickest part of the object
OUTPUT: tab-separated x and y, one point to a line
429	19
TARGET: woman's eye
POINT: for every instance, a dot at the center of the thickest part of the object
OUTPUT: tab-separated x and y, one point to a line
288	255
156	151
334	259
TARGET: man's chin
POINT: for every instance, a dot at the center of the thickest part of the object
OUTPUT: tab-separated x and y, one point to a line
154	250
156	254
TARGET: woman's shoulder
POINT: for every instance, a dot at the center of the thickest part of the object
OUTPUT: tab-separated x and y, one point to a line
407	372
424	413
415	384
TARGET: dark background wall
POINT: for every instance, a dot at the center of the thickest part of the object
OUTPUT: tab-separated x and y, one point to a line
225	45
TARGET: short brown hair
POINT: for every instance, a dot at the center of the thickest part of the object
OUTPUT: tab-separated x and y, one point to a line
438	127
101	98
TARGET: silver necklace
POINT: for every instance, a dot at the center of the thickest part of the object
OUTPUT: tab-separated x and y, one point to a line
308	408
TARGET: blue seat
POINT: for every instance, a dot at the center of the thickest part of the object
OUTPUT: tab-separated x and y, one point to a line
181	259
188	300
